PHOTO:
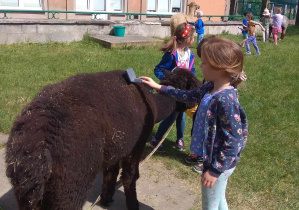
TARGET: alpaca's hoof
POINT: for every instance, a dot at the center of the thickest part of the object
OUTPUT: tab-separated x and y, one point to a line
133	207
106	202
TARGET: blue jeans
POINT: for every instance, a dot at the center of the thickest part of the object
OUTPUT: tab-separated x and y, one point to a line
199	38
253	40
166	123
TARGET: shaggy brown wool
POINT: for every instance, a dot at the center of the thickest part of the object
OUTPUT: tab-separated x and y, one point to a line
85	124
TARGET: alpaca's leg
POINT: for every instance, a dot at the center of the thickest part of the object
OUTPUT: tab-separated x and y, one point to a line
68	186
68	196
130	174
283	33
108	186
270	31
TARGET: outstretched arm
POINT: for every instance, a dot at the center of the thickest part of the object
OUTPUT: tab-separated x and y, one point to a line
263	29
150	82
256	23
194	95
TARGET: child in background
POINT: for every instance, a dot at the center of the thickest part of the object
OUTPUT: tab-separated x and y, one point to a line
199	26
252	36
244	31
266	22
176	54
276	24
220	129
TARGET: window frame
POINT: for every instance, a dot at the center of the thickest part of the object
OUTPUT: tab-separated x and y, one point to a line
90	7
169	8
22	7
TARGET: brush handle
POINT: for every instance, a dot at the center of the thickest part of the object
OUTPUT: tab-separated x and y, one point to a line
132	77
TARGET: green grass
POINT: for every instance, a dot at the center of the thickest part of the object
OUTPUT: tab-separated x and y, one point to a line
267	175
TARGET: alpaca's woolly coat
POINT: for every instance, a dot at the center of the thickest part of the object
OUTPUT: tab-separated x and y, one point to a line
74	129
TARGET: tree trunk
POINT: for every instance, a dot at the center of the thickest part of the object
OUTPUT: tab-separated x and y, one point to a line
232	9
264	6
297	16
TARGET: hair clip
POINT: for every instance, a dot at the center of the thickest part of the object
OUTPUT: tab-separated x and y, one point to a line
187	30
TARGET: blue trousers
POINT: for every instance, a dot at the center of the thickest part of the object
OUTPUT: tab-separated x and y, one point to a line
199	38
253	40
166	123
214	198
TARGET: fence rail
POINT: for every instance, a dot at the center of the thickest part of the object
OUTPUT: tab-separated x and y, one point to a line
128	15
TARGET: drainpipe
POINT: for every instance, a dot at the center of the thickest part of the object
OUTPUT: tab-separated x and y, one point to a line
140	9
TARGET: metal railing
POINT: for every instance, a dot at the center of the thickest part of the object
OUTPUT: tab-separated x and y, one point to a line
54	12
128	15
229	17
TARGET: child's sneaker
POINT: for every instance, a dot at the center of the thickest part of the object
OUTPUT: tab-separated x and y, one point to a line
248	53
198	168
179	144
258	53
193	159
153	143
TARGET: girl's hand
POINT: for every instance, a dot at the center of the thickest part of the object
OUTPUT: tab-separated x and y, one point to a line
208	180
150	82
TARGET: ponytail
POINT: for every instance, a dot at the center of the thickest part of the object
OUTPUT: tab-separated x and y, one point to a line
170	45
236	80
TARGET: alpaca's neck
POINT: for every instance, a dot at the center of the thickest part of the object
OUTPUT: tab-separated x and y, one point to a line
164	106
191	11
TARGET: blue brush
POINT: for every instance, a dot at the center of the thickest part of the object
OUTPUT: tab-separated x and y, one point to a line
132	77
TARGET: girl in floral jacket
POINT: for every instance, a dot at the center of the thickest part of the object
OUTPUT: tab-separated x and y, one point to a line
220	128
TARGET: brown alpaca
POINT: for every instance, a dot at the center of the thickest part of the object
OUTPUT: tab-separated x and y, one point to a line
85	124
180	18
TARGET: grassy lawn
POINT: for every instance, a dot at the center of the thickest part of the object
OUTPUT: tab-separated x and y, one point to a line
267	175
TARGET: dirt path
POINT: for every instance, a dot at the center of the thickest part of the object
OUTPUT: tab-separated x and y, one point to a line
157	188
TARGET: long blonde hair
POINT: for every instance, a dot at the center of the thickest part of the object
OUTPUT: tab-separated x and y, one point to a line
224	55
178	38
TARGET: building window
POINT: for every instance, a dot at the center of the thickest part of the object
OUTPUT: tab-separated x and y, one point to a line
21	4
164	6
99	5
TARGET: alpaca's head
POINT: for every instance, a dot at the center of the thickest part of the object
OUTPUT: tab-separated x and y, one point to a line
193	7
181	79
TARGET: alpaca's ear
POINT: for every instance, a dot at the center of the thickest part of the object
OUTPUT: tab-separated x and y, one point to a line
166	72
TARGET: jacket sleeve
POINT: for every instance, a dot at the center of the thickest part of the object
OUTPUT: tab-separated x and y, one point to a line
231	134
165	63
194	95
193	69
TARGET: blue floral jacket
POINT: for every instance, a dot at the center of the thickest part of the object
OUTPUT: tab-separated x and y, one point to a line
226	127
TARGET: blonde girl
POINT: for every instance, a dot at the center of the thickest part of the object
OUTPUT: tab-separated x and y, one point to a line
176	54
220	126
276	24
